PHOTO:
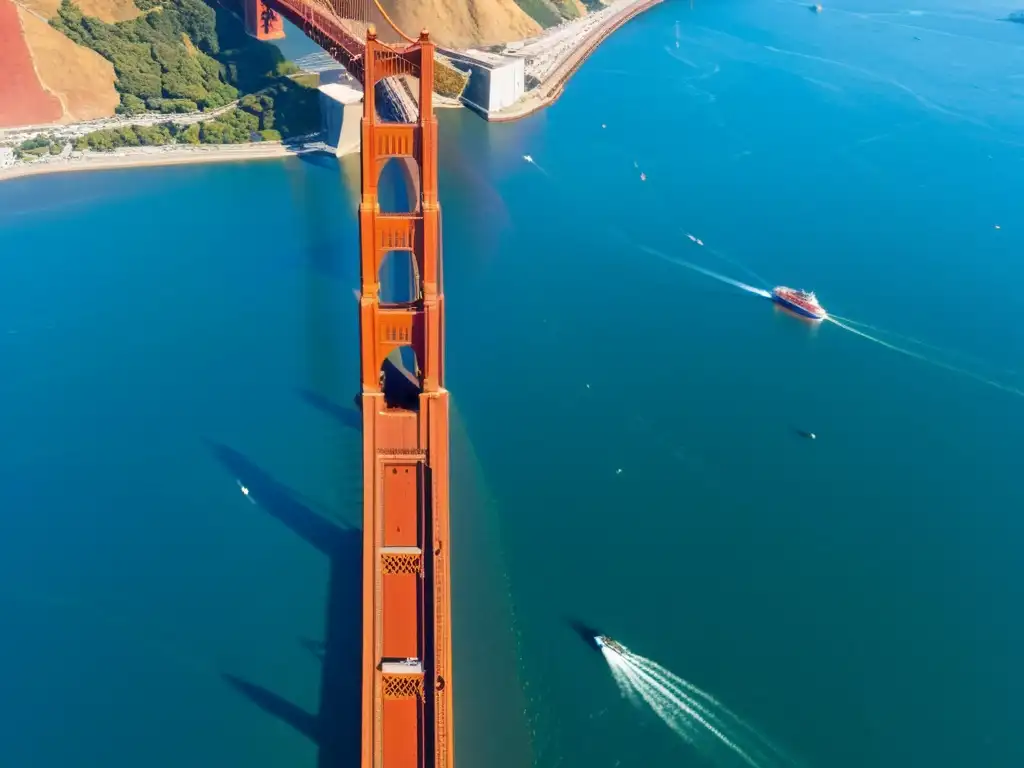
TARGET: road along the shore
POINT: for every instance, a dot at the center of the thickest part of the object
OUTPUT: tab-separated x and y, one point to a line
553	85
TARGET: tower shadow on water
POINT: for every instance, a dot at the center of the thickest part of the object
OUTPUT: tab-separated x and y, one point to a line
328	259
336	726
331	250
328	243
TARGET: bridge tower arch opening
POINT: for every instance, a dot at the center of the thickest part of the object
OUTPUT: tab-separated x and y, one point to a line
398	185
401	380
399	278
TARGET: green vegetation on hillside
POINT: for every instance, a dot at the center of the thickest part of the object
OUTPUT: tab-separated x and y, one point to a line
289	106
283	110
568	9
234	127
541	11
187	56
448	80
184	56
549	13
155	67
37	147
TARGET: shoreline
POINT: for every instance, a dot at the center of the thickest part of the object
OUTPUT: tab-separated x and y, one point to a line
551	90
140	157
543	96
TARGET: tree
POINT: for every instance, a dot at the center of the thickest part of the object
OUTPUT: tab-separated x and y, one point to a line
190	135
139	84
148	53
131	105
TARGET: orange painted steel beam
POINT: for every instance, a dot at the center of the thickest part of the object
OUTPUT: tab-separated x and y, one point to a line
262	21
407	659
323	22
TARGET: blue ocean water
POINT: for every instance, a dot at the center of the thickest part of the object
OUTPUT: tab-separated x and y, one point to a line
625	441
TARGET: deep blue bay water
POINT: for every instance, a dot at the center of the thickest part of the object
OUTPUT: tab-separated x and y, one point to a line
167	333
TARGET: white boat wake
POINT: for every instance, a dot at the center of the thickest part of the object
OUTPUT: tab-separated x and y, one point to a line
924	358
245	491
844	323
841	322
529	159
695	716
732	262
709	273
972	361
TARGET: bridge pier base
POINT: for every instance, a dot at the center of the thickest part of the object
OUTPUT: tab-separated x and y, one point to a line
341	105
261	21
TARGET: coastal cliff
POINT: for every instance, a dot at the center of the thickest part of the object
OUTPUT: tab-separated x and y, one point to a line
149	81
83	60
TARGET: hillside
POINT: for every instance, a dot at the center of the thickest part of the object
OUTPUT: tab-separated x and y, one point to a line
184	73
156	69
469	23
77	81
22	97
82	80
548	13
109	11
92	59
462	23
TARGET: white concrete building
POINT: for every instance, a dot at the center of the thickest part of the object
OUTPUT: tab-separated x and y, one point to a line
495	81
341	104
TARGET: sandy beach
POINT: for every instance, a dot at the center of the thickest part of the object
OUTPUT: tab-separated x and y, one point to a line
135	157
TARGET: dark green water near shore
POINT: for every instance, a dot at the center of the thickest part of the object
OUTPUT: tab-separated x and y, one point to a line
624	442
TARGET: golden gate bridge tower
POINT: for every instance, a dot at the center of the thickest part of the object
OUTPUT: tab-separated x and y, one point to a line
406	616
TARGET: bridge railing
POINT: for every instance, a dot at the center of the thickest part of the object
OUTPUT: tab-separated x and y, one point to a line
325	29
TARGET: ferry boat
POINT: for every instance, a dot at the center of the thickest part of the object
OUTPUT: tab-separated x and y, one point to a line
603	641
802	302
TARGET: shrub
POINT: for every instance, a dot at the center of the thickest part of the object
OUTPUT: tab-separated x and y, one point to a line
448	81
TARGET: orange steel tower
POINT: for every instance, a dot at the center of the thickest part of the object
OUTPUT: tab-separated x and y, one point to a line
407	660
407	647
261	21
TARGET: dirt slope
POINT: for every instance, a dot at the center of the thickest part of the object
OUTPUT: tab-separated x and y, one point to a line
82	79
461	23
105	10
23	101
